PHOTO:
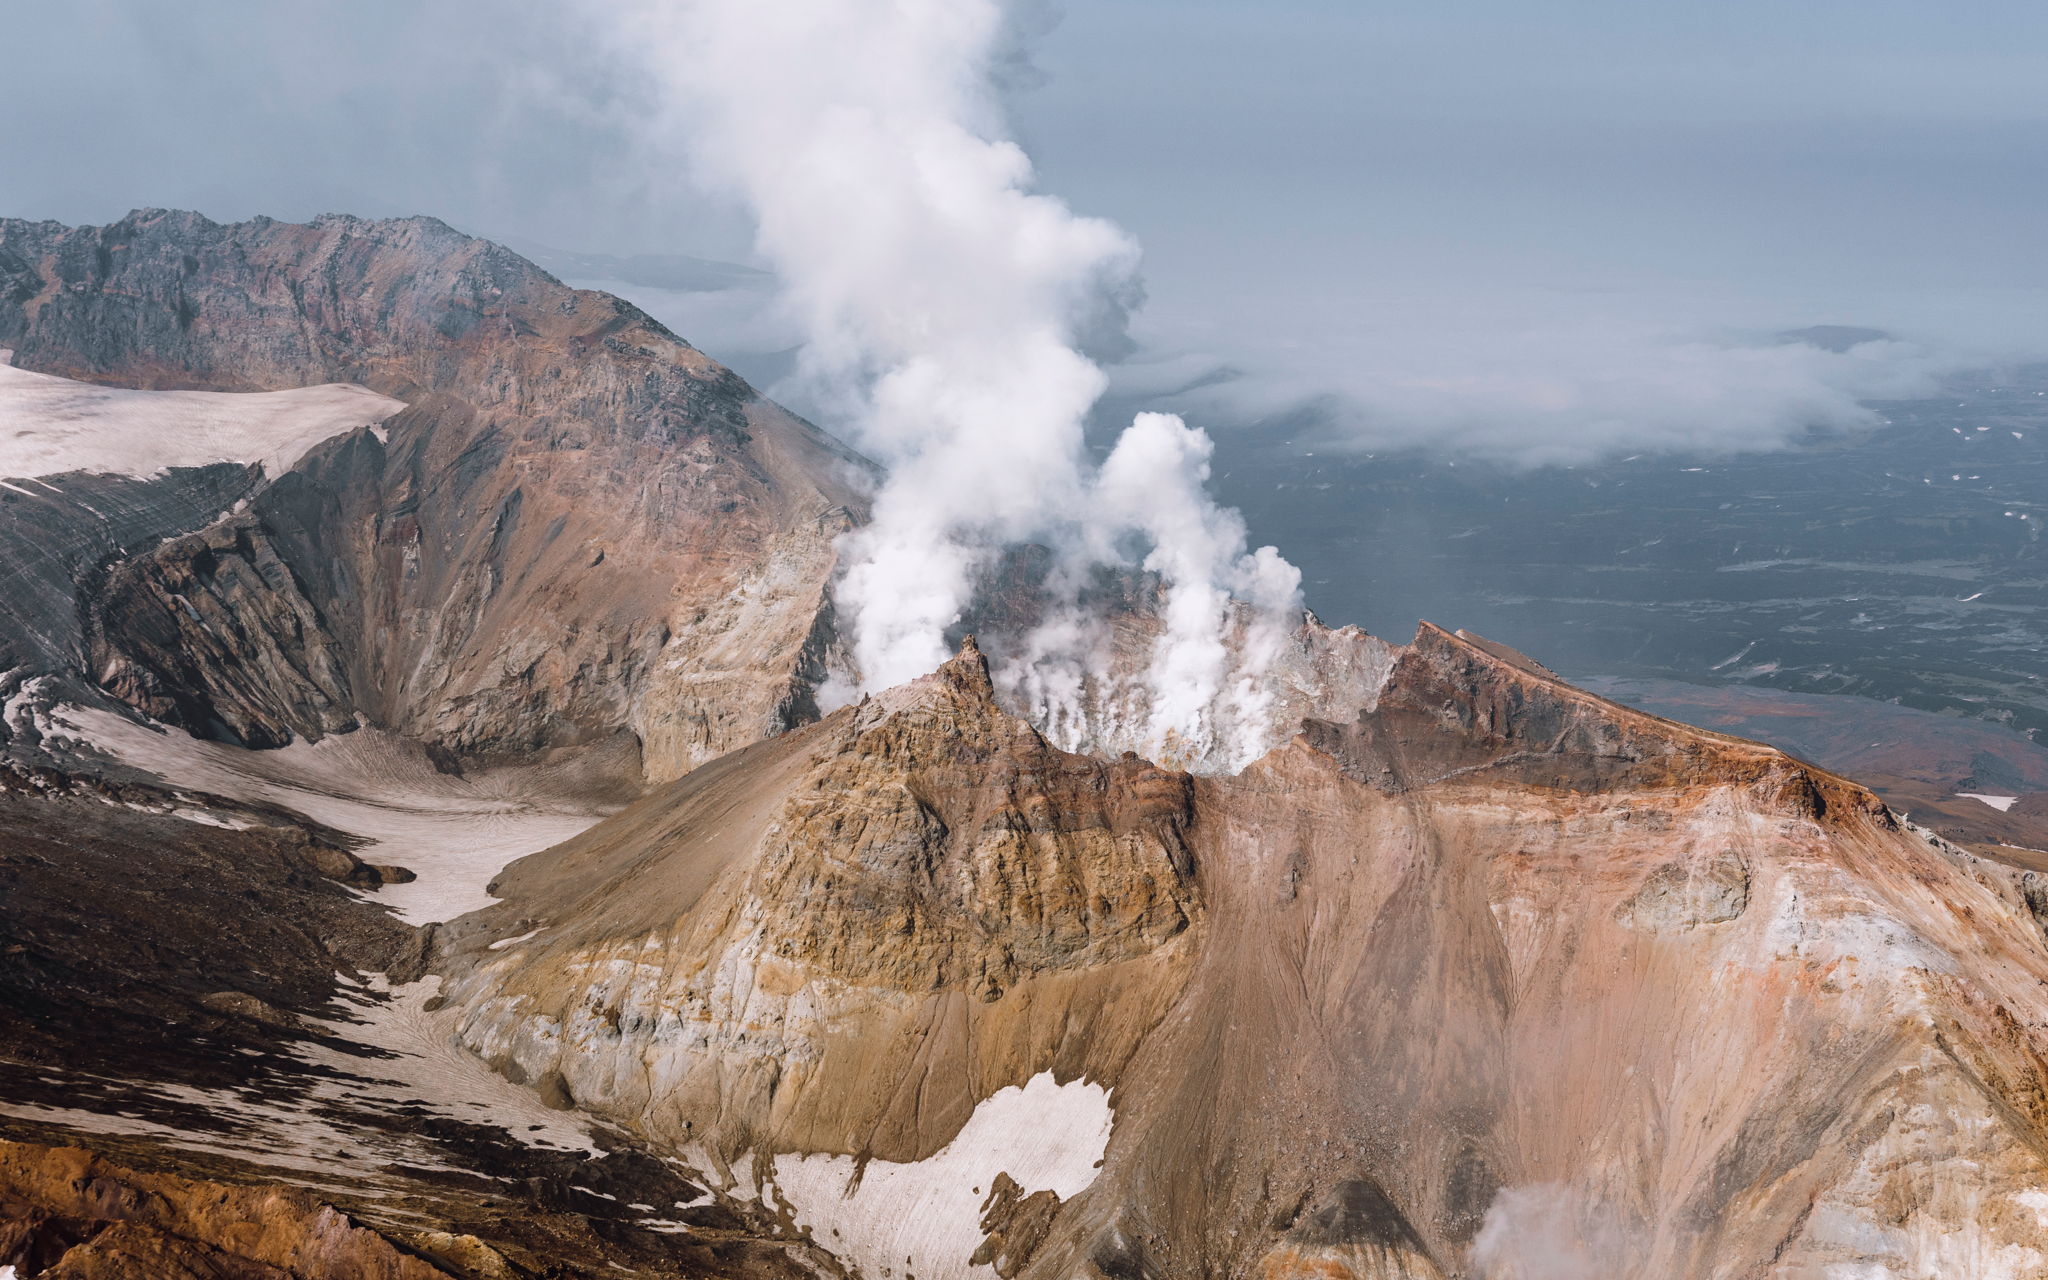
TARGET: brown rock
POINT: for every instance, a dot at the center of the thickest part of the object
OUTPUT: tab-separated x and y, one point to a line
243	1005
918	888
437	578
70	1215
1014	1225
1492	943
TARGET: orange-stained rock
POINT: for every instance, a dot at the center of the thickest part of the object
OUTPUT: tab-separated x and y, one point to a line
1487	972
917	889
66	1214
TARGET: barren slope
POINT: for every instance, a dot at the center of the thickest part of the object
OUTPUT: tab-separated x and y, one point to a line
1498	967
540	551
579	527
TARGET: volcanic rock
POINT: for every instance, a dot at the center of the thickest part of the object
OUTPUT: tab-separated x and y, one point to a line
67	1214
580	527
1418	963
1490	943
917	889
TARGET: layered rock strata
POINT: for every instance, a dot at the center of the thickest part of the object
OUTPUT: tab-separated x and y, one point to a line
67	1214
1490	971
918	890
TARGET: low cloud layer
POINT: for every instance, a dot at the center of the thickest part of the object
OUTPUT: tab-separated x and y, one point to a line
1542	378
1570	388
1530	374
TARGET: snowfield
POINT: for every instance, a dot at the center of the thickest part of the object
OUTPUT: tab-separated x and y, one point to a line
1047	1136
51	425
454	833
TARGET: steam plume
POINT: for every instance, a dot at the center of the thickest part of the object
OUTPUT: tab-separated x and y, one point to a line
946	306
1546	1232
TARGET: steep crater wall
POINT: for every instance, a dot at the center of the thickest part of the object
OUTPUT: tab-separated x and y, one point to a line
580	527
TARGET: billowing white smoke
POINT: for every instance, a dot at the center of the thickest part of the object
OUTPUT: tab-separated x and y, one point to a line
1546	1232
1157	477
945	305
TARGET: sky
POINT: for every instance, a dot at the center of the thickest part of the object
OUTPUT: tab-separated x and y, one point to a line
1536	231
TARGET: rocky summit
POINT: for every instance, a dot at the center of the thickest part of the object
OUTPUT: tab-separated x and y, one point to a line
425	852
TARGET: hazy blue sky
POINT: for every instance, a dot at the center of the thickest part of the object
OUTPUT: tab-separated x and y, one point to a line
1560	198
1382	201
1801	139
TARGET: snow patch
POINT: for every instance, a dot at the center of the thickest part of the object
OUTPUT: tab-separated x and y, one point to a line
666	1226
2000	803
454	833
208	818
50	425
924	1219
19	712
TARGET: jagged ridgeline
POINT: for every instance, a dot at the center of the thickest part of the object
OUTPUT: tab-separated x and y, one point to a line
422	854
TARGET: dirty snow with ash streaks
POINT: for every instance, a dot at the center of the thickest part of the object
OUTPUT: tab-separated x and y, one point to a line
51	425
924	1219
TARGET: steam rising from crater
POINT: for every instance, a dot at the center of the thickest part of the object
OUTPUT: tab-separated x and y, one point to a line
948	309
1548	1232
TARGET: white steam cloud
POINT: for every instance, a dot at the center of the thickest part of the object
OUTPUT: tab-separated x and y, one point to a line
945	306
1547	1232
1533	375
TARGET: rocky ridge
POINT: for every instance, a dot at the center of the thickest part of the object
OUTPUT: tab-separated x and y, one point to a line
579	527
578	547
918	888
71	1215
1488	956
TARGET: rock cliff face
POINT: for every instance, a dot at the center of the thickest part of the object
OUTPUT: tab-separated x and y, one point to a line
579	527
57	541
1492	978
566	543
917	890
